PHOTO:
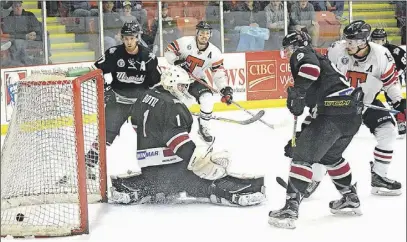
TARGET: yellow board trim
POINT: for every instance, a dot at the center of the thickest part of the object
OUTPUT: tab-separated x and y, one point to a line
219	107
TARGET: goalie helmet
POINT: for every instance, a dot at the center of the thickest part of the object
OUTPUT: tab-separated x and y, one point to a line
175	80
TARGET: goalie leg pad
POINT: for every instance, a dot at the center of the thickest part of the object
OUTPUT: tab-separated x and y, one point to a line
124	190
234	191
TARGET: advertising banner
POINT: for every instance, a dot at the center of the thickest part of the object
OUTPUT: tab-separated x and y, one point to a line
267	75
10	88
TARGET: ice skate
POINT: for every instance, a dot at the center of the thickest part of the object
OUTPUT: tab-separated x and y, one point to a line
204	131
349	204
285	217
384	186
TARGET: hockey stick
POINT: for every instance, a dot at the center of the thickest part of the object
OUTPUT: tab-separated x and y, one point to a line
294	137
233	102
282	183
392	111
242	122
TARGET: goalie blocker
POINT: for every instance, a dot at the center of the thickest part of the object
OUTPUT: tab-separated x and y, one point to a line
170	161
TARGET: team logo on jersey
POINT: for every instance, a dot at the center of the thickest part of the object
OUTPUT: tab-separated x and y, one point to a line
132	63
121	63
345	60
300	56
112	50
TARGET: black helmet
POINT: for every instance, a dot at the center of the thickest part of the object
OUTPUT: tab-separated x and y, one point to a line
358	29
131	28
297	38
203	25
378	34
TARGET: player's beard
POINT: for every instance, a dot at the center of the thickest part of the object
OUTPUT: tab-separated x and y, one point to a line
131	48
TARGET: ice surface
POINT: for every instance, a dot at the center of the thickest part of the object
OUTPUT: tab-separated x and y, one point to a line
255	148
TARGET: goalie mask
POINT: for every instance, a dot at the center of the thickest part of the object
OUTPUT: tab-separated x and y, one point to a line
176	80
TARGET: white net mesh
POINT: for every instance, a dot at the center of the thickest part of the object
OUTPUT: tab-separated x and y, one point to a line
39	160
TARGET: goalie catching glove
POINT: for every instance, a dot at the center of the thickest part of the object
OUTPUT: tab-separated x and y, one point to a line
209	165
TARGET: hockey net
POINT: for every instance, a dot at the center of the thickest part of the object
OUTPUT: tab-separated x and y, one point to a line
45	189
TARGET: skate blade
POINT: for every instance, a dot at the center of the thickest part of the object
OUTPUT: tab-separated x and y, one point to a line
347	211
285	223
381	191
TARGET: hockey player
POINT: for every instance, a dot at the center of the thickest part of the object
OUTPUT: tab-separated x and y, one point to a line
379	36
129	70
171	162
372	67
196	55
336	119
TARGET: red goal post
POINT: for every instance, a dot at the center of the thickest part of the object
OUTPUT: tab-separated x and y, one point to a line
45	189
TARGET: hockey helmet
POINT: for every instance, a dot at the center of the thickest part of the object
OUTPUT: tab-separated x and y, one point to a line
356	30
131	29
203	25
293	41
175	80
297	38
379	36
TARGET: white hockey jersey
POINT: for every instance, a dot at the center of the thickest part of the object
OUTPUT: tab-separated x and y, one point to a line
377	72
185	49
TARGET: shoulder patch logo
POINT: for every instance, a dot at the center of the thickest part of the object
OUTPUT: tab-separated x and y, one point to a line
112	50
300	56
345	60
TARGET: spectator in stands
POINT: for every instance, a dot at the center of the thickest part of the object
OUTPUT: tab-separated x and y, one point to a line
302	17
26	33
126	15
170	30
334	6
112	25
275	22
83	9
250	20
141	14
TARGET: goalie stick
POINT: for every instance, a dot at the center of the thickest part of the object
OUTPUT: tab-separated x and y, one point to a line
242	122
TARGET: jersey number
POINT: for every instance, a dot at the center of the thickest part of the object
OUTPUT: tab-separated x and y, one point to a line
145	121
194	62
356	78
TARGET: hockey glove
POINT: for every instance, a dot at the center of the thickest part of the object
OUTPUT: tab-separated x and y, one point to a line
295	100
401	107
183	64
227	95
288	149
401	116
108	92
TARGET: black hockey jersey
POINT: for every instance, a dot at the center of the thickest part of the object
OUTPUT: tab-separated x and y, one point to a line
400	58
315	73
130	72
162	121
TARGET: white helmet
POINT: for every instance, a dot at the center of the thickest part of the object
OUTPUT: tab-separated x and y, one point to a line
175	80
